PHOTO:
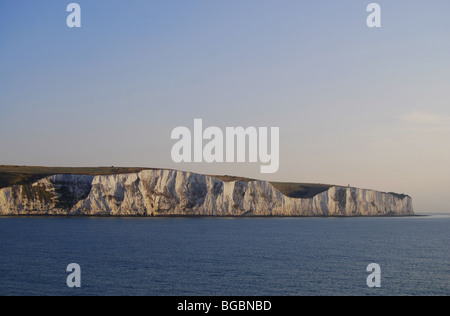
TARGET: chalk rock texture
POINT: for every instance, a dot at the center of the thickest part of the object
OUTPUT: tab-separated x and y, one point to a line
177	193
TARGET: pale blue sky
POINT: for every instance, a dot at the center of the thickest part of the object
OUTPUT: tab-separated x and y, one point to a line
359	106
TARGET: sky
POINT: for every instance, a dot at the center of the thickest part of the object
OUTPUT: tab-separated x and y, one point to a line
355	105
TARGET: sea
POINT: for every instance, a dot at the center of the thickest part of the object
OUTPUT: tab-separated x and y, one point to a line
225	256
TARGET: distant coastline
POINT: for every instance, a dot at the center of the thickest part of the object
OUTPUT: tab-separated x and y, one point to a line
147	192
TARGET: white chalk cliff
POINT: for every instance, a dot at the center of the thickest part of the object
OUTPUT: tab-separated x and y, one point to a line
177	193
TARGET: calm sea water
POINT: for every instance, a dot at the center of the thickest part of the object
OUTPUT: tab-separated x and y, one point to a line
210	256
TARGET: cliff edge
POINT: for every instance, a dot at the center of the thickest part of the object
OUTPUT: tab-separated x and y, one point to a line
175	193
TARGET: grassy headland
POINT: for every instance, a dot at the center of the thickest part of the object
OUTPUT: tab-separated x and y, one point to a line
25	175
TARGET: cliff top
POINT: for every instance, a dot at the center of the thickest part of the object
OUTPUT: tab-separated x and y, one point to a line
292	190
25	175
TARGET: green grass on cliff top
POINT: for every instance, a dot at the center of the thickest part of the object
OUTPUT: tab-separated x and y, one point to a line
23	175
293	190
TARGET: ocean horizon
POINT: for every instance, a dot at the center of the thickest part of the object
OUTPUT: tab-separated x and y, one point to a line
206	256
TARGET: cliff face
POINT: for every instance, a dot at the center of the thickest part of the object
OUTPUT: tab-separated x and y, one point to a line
168	192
